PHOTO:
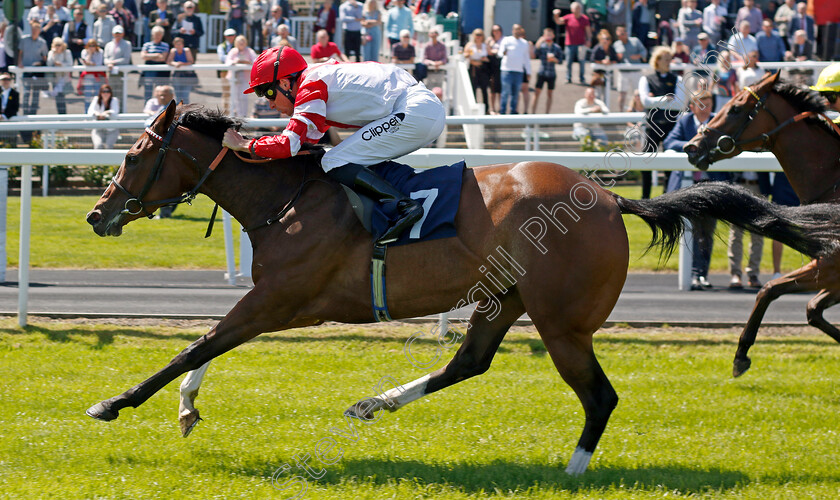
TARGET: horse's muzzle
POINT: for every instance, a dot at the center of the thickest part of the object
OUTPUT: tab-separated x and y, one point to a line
104	227
696	157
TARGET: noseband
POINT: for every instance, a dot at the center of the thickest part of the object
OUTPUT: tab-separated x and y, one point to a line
726	144
135	204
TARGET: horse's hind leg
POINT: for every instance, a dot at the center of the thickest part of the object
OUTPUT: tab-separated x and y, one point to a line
487	327
801	280
187	413
574	358
817	305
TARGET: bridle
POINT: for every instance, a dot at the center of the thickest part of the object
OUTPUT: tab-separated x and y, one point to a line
135	204
726	144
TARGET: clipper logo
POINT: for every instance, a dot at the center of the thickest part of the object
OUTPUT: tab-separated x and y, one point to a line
388	127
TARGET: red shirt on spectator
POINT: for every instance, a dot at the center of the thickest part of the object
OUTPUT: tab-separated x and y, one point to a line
826	12
576	29
319	51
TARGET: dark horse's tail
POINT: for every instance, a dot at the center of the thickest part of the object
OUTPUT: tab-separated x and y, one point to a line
811	229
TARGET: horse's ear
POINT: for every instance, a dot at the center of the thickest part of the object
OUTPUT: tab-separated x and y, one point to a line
773	78
165	119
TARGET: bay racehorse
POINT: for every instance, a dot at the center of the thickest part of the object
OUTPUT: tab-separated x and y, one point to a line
790	122
312	264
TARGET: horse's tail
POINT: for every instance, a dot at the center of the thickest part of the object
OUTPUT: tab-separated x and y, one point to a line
811	229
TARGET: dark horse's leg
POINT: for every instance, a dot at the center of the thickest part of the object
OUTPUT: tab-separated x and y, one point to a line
487	327
253	314
823	300
802	280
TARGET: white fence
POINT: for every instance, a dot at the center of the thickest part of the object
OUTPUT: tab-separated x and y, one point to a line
423	158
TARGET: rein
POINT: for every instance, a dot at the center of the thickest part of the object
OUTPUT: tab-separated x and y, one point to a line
726	144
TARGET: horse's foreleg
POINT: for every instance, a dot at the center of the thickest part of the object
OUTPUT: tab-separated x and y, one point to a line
486	328
187	413
817	305
802	279
250	317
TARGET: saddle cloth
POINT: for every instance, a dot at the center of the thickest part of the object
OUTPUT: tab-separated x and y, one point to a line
438	189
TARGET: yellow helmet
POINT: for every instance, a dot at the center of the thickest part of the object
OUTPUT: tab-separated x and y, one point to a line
829	80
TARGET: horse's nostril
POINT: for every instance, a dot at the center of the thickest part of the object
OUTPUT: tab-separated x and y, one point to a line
690	148
93	217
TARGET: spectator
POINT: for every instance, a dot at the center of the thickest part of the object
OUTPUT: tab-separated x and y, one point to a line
351	14
587	106
525	88
516	59
434	57
662	94
771	48
783	194
240	55
59	56
103	26
180	57
9	106
89	81
643	19
550	55
235	16
784	15
703	233
155	52
403	52
690	22
324	49
680	51
275	19
596	11
629	49
399	18
257	12
726	78
802	21
616	15
703	54
52	27
283	37
38	12
371	31
164	94
802	49
33	52
714	20
190	28
325	19
578	34
749	12
125	18
742	42
105	106
117	52
222	51
604	54
760	187
749	73
495	67
63	13
284	5
76	35
475	52
163	18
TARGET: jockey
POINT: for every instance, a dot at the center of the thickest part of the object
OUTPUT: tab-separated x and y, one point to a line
395	113
828	85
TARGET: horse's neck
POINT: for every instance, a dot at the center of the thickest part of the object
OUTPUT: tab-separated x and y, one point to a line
813	167
252	193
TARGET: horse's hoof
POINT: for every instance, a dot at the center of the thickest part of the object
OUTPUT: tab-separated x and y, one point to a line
740	366
188	420
355	412
100	412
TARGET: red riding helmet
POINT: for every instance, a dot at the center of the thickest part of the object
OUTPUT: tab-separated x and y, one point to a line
274	64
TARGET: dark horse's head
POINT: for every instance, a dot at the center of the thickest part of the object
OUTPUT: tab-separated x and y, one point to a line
160	166
750	120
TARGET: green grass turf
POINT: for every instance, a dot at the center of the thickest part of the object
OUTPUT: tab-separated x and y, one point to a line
683	428
62	239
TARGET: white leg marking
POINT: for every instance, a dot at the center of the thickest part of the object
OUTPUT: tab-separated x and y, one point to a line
579	462
189	388
413	391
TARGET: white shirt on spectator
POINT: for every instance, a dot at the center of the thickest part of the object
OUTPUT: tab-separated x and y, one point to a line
662	102
516	54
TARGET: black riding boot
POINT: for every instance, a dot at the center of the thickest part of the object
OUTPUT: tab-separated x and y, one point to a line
364	181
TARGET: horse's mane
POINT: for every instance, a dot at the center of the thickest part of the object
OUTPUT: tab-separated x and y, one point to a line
210	122
805	99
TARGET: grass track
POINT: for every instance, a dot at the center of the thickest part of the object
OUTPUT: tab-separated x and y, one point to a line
58	225
683	427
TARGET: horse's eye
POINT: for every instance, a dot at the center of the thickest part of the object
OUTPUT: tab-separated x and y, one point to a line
735	110
131	160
